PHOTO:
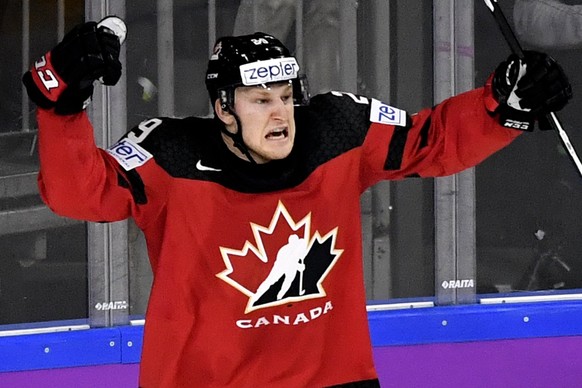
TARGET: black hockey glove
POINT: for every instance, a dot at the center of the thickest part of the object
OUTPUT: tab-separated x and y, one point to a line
529	89
63	78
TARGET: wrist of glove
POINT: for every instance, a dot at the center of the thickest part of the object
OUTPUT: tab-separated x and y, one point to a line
63	78
528	89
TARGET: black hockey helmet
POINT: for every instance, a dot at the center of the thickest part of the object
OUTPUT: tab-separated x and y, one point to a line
247	60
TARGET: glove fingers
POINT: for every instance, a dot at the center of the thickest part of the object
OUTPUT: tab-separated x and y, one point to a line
548	93
98	50
93	60
544	87
537	77
78	56
110	49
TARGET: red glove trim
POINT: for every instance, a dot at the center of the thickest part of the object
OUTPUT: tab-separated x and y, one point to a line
48	81
491	103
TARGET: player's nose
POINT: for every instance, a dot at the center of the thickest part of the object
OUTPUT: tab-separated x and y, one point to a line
279	108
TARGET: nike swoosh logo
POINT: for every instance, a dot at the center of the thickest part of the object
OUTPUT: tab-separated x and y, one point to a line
202	167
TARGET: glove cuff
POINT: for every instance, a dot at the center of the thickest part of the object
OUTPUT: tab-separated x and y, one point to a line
515	119
47	79
74	100
34	93
507	116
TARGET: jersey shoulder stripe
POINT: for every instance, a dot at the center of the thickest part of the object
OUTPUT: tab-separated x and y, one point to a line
338	122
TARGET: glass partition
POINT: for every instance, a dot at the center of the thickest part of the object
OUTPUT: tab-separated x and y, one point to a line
368	48
529	196
43	257
526	198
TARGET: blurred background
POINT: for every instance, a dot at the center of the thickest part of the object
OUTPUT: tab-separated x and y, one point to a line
509	226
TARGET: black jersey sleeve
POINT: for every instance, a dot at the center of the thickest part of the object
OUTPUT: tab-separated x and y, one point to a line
338	122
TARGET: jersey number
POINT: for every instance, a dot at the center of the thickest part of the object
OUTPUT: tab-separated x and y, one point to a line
143	130
359	100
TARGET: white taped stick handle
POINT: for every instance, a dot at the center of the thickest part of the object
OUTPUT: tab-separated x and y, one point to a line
116	25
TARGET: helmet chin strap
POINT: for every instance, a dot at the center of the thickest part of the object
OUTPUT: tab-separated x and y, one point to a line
237	136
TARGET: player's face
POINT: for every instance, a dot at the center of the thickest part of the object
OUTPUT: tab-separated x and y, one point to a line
267	119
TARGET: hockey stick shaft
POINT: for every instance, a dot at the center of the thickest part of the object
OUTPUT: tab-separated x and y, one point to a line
515	47
505	28
301	289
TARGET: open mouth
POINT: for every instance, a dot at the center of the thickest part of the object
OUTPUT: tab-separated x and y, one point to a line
278	134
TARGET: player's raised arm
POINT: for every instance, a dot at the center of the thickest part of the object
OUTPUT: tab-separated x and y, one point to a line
76	178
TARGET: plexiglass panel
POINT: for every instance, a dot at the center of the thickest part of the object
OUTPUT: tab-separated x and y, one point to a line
43	257
367	48
529	197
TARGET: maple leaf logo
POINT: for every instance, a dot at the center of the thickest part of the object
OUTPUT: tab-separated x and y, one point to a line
285	262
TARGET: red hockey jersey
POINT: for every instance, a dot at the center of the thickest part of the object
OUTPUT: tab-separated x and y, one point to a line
258	278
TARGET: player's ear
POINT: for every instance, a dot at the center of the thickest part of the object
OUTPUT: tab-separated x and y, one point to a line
226	117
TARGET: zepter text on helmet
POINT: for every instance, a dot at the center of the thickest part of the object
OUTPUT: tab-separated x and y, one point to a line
273	70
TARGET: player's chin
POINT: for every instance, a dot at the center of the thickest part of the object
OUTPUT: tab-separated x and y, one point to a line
280	153
275	153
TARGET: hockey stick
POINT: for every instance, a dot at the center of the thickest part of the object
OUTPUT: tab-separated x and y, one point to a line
515	47
301	289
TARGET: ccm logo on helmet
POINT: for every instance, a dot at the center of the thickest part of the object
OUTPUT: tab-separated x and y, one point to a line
272	70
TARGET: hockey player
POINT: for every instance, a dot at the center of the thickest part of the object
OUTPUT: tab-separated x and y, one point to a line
217	198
